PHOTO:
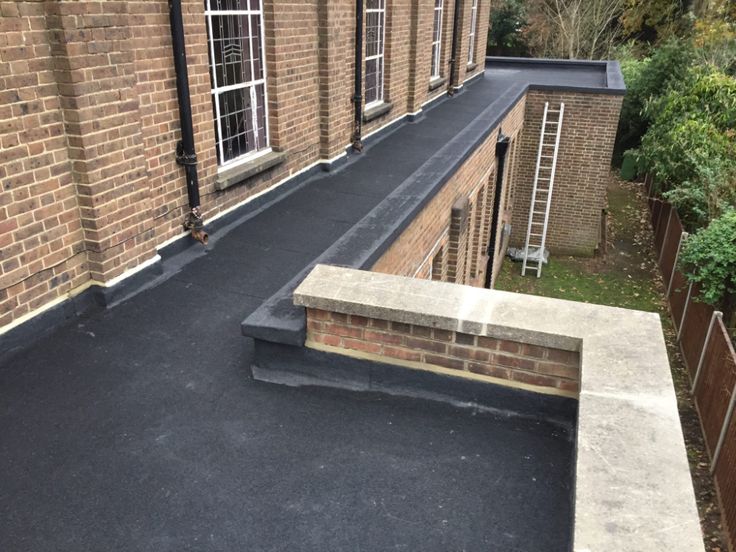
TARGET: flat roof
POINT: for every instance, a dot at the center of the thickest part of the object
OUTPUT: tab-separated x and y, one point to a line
138	427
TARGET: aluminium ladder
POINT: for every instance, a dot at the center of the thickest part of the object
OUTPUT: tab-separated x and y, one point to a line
544	180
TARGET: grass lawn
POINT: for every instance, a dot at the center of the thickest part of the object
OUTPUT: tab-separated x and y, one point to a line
627	276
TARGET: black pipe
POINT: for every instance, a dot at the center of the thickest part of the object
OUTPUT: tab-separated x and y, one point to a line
358	95
502	147
185	153
453	50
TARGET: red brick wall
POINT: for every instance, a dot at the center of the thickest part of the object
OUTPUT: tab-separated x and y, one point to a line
89	125
420	346
412	253
42	253
586	146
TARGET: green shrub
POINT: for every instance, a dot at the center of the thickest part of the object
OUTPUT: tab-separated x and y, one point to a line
647	79
708	259
693	163
689	147
708	95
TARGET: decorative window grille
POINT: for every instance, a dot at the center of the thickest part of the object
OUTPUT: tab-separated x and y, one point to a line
473	26
375	27
437	38
238	78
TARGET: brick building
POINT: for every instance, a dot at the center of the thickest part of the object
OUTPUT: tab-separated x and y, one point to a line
352	161
93	194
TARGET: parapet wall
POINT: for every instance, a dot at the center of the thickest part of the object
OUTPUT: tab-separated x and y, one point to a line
633	490
502	361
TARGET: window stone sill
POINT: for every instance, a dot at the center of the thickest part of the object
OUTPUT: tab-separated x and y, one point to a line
236	175
377	111
435	83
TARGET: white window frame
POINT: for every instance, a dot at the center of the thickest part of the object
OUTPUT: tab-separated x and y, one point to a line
473	28
217	90
380	54
437	44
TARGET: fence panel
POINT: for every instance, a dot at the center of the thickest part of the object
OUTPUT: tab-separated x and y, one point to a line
693	331
717	379
678	296
656	211
661	228
715	384
671	242
725	476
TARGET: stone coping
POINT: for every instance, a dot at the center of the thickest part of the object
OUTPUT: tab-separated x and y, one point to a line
633	490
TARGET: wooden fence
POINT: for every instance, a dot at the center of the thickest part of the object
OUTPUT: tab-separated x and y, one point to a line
709	356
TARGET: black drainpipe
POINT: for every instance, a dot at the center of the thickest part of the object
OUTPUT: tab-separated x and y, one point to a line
185	154
453	51
358	95
502	147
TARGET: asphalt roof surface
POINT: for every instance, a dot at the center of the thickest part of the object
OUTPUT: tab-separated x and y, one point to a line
138	427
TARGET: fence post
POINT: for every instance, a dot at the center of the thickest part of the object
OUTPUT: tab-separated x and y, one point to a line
724	430
664	237
684	311
683	237
716	315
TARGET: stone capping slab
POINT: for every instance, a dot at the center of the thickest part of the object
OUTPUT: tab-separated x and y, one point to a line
633	490
240	173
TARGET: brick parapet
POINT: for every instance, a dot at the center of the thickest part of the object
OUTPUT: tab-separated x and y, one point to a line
466	253
546	369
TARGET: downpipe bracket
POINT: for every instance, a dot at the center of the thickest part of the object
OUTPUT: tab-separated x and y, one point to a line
194	224
184	159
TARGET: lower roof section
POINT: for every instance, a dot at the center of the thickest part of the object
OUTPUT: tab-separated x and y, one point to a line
413	163
633	488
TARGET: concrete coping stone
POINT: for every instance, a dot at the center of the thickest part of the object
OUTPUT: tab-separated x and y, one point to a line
633	490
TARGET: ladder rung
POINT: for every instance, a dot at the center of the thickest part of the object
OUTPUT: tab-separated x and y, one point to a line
539	212
547	156
553	111
533	234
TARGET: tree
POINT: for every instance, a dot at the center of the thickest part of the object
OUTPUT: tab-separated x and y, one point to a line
505	31
647	79
714	34
574	29
656	20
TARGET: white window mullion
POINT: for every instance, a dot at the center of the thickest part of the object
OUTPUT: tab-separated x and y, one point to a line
215	85
236	88
252	91
473	28
379	11
437	39
263	79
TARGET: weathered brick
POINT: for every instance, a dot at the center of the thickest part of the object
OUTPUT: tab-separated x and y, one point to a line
364	346
445	362
425	345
